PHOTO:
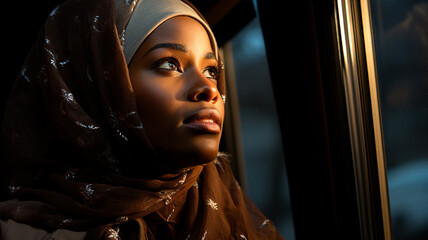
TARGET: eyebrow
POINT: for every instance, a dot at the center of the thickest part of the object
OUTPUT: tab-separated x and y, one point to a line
210	55
179	47
174	46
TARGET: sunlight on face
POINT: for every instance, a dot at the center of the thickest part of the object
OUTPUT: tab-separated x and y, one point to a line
174	76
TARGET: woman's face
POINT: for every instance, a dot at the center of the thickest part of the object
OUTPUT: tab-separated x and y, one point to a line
174	76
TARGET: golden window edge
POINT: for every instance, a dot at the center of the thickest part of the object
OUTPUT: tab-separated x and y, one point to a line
345	24
346	46
377	119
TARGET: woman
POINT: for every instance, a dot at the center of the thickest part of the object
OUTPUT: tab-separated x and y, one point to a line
112	130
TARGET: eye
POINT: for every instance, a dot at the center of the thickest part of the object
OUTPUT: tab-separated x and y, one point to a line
211	72
169	64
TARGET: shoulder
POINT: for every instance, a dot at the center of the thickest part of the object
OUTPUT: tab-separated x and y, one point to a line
11	230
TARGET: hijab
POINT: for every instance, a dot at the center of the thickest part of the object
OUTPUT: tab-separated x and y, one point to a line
71	137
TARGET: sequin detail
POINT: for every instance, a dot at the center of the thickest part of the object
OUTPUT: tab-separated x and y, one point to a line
121	220
264	223
140	126
183	179
114	120
130	114
24	75
205	234
52	60
243	236
121	135
166	195
64	222
212	204
70	174
113	234
170	215
13	189
96	22
54	12
64	62
68	97
88	192
87	126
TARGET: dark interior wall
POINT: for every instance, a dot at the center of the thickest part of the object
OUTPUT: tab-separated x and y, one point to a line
21	22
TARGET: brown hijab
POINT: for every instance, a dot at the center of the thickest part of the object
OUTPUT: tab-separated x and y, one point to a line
76	155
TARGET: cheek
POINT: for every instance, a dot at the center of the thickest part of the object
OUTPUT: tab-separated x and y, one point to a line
157	105
154	98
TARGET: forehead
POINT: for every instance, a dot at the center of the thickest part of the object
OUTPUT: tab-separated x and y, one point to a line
182	30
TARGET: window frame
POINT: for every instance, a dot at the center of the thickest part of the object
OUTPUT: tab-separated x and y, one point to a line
333	140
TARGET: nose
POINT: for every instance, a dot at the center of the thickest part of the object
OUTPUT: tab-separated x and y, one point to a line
203	89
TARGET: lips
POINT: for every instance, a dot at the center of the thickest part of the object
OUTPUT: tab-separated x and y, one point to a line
204	121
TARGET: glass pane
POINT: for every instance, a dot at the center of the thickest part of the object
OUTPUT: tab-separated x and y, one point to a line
264	161
401	44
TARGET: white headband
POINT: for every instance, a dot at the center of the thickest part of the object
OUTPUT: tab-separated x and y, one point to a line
148	15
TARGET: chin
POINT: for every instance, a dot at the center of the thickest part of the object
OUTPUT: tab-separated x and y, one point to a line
205	150
193	154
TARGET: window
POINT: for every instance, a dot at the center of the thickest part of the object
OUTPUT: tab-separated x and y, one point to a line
355	105
401	46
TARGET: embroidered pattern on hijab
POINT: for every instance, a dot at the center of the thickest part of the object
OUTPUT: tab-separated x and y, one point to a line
71	130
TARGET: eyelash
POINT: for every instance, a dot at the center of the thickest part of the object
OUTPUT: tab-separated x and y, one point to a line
158	63
216	71
176	62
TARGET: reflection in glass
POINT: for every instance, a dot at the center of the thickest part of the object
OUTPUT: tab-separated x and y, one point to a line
401	45
264	161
